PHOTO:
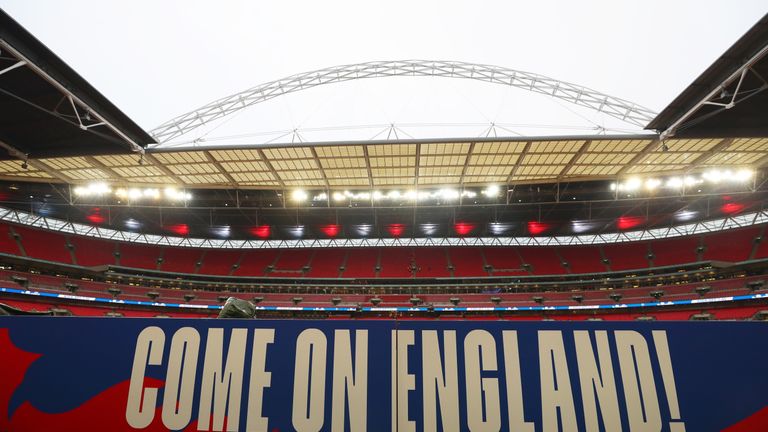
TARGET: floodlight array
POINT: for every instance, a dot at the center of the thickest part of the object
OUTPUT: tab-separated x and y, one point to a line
713	177
101	189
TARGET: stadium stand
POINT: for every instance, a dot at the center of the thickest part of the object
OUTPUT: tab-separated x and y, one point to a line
542	261
467	262
583	259
626	256
731	246
219	262
180	260
674	251
44	245
90	252
504	261
327	263
362	264
138	256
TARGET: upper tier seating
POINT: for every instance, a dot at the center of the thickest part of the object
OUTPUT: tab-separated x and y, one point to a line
180	260
542	261
467	262
627	256
730	246
583	259
254	262
139	256
431	262
504	261
387	262
219	262
7	242
326	263
396	263
49	246
674	251
91	252
361	263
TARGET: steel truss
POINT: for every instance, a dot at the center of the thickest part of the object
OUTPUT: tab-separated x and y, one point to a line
621	109
731	222
81	114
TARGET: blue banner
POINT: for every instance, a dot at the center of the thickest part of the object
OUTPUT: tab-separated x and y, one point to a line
95	374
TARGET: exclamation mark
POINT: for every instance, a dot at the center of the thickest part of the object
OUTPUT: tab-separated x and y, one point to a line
665	364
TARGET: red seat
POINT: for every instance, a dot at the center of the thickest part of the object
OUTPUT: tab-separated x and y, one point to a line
93	252
627	256
674	251
44	245
583	259
730	246
180	260
361	263
219	262
467	262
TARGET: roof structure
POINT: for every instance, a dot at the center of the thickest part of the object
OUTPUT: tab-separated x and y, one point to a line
729	99
61	130
48	110
402	163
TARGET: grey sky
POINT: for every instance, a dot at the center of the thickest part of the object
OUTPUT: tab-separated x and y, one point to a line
157	59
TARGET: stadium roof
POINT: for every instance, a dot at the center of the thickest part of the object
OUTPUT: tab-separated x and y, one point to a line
48	110
401	163
729	99
69	133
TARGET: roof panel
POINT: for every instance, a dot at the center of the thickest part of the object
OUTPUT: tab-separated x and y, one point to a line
487	170
181	157
749	145
445	148
619	146
393	172
686	145
339	151
514	147
556	146
204	178
391	149
85	174
343	163
442	180
348	182
289	153
252	176
191	168
734	158
294	165
245	166
66	163
118	160
138	171
505	159
394	181
235	155
436	171
402	161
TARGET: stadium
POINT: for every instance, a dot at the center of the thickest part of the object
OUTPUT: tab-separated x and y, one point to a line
102	219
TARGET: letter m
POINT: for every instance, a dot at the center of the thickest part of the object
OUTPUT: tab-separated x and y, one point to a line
218	387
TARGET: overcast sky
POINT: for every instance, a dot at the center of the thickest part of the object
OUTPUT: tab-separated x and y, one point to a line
158	59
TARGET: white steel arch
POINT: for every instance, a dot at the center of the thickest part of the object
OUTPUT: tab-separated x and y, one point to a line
621	109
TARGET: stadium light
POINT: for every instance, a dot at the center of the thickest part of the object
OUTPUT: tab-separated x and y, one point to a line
652	184
743	175
93	189
299	195
491	191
